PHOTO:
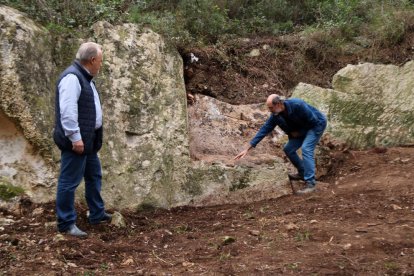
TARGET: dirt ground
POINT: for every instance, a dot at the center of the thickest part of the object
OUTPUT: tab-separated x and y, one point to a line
359	222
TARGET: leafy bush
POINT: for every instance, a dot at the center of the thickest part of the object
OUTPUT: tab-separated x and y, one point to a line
69	13
166	24
207	21
388	25
203	20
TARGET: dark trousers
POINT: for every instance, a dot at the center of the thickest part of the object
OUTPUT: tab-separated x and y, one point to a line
74	167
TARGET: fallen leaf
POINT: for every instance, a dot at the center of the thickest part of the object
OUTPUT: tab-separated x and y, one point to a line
128	261
59	237
291	226
187	264
38	211
395	207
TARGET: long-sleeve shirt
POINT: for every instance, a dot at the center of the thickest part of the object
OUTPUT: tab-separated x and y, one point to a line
298	116
69	92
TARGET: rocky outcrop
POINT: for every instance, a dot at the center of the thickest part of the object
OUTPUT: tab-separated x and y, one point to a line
218	131
146	157
369	105
26	73
218	183
222	130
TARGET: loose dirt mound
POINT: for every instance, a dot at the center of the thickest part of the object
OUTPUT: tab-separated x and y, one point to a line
360	222
232	73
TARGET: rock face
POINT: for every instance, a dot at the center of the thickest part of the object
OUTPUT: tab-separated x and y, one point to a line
146	156
26	71
380	102
370	105
212	184
219	131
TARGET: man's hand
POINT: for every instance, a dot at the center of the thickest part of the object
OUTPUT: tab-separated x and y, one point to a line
78	147
242	154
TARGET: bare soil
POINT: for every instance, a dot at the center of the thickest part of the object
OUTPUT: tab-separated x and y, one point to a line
359	222
227	71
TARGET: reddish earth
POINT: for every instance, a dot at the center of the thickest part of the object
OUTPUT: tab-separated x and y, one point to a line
359	222
228	73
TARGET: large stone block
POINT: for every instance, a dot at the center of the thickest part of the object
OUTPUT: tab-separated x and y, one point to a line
370	105
146	155
26	116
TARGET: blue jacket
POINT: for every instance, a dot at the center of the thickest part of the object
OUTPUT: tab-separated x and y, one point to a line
297	117
91	138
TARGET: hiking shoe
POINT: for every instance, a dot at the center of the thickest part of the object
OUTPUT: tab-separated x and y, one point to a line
73	230
105	218
308	189
295	176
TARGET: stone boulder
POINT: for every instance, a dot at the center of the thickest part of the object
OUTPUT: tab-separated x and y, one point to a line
218	131
146	156
218	183
26	73
370	105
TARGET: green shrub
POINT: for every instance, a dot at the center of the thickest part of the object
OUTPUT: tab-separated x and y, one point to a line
186	22
388	26
69	13
203	20
167	24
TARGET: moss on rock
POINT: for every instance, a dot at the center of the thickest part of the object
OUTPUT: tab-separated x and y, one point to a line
8	191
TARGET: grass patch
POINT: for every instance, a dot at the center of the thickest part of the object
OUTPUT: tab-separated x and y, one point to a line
8	191
183	228
293	266
391	266
224	256
303	236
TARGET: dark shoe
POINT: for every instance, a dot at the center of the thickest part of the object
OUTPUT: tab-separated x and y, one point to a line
295	176
106	218
308	189
73	230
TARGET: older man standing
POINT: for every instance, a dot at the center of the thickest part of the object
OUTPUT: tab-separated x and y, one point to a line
304	125
78	134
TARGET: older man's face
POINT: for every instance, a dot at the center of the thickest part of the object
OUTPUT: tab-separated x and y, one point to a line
275	108
96	63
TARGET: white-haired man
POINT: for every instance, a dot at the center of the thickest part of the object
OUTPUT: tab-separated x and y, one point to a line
78	134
